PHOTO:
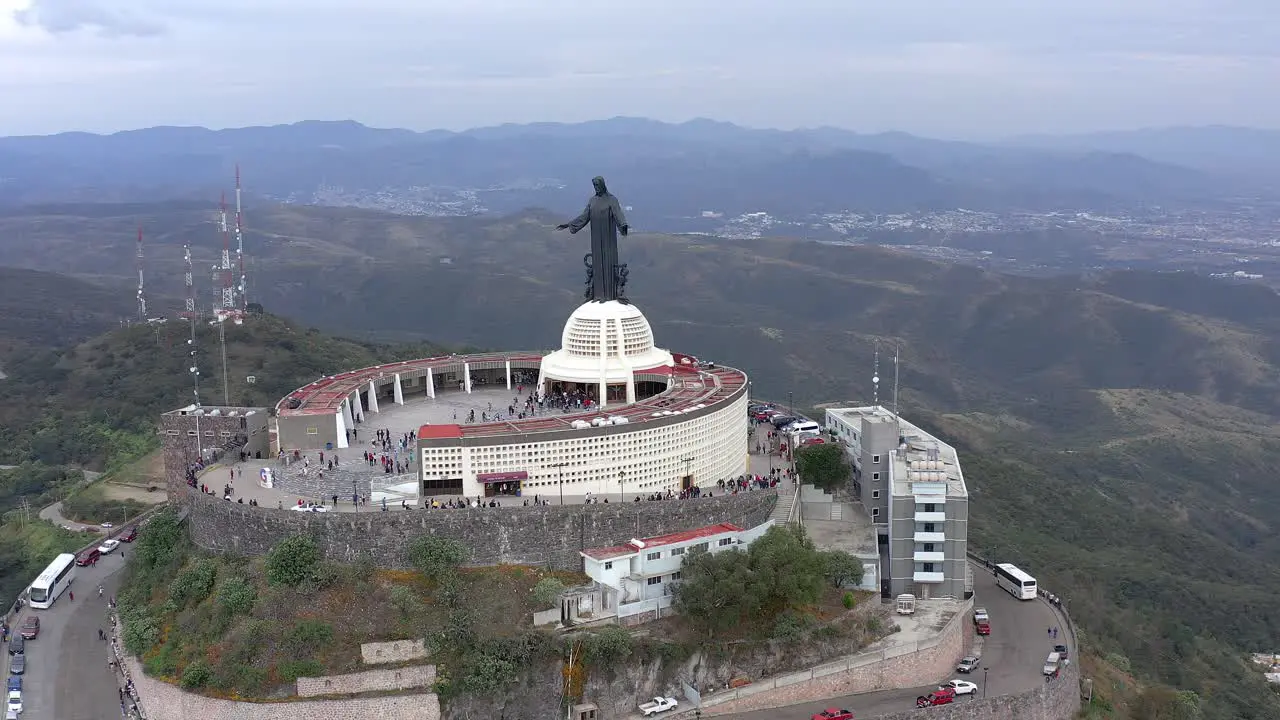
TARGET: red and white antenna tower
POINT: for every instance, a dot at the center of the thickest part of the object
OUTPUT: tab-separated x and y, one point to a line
189	308
142	299
222	272
243	304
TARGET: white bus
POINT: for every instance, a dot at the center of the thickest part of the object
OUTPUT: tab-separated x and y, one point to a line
1016	582
52	582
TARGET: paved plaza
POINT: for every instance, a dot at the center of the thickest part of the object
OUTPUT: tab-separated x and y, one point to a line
399	491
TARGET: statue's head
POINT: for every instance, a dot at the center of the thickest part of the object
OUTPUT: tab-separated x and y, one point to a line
598	182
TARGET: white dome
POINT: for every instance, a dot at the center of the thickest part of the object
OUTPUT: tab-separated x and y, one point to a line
605	342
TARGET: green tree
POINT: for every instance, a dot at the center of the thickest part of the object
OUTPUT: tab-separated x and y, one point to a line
781	571
236	596
825	466
437	557
841	568
293	561
546	594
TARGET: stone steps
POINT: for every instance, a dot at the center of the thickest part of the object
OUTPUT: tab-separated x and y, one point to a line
837	511
782	511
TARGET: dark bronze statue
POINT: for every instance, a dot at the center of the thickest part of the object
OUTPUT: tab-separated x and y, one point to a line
606	277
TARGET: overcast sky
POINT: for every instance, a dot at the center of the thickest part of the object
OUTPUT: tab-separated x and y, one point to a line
951	68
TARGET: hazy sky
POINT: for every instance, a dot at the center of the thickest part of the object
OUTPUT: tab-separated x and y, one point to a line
953	68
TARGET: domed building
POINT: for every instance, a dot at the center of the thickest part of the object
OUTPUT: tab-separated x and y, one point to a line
607	347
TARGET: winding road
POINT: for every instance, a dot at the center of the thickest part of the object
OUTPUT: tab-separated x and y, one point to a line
1012	655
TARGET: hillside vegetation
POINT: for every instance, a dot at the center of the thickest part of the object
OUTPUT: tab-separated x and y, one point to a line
1117	430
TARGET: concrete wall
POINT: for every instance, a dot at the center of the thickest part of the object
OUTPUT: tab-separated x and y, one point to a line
393	652
890	664
162	701
406	678
1056	700
551	535
177	433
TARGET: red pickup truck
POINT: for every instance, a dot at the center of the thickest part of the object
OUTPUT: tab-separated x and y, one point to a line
941	696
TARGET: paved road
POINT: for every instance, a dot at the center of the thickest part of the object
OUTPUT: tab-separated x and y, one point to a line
67	677
1013	654
53	513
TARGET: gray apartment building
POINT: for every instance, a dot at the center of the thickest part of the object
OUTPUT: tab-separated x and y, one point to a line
912	486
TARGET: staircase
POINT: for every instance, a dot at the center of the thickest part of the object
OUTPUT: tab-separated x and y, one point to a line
837	511
782	511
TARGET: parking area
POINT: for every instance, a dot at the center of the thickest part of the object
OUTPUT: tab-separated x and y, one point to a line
67	676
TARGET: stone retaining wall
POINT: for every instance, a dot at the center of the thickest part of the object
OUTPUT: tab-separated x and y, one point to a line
1056	700
163	701
890	664
393	652
547	535
406	678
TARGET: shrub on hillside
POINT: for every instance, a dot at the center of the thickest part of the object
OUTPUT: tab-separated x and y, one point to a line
194	583
437	557
236	596
293	561
546	594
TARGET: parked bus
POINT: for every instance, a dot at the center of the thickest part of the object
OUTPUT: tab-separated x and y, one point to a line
1016	582
52	582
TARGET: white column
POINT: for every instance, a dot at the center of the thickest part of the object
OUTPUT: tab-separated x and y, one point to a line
631	388
357	405
508	374
466	376
399	391
346	413
603	393
342	428
373	396
431	385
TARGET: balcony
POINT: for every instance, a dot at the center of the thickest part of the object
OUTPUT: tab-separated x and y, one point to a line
929	537
928	577
933	517
922	556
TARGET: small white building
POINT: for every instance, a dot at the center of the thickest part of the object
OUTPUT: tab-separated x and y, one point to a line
637	577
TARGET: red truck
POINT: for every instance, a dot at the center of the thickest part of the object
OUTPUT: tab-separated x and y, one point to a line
833	714
981	622
941	696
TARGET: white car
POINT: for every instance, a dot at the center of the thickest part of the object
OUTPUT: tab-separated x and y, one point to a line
108	547
15	702
108	526
962	687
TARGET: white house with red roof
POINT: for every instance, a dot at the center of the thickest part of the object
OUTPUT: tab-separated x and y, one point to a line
637	576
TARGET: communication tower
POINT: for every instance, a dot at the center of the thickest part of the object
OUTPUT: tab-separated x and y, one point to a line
142	299
223	273
189	308
241	289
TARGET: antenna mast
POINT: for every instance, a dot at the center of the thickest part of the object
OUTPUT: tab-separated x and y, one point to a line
896	419
223	271
194	369
142	300
243	304
189	307
875	377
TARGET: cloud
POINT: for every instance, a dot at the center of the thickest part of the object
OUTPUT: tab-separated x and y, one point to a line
67	16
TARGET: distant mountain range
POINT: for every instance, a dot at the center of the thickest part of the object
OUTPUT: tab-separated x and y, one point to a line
667	172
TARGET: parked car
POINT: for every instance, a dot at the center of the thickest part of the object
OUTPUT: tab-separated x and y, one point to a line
15	683
107	525
129	535
941	696
89	557
1051	664
658	705
17	645
1062	651
108	546
31	627
15	702
969	663
961	687
18	664
833	714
